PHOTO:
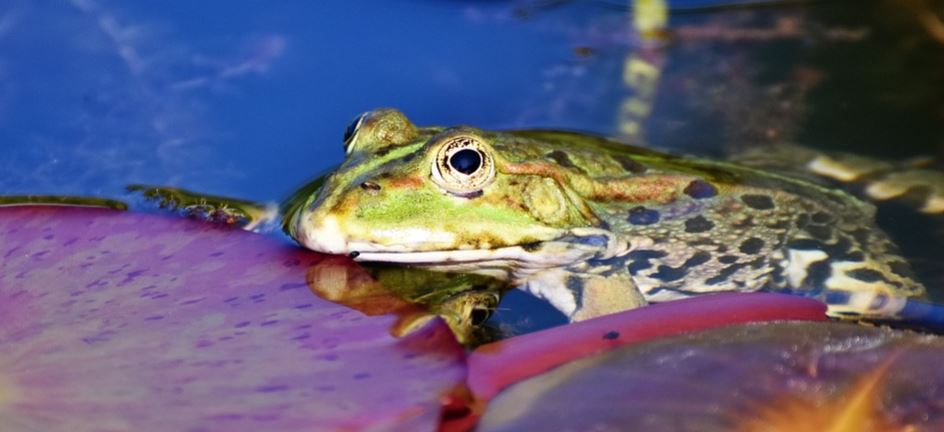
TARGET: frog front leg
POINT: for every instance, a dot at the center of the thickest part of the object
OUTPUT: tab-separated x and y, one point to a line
582	291
243	214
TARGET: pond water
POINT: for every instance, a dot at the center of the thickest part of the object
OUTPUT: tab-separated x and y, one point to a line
252	100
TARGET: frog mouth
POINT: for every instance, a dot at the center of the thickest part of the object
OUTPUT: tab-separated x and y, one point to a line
575	245
499	257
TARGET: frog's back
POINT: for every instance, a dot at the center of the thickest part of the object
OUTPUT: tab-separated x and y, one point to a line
699	226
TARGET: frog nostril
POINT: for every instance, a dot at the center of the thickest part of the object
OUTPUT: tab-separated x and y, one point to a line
371	186
479	316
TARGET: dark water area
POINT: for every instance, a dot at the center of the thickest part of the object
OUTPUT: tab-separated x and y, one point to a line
251	100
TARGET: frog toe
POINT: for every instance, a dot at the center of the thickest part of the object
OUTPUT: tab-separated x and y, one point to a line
217	210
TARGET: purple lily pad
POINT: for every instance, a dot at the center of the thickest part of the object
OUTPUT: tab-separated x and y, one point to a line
494	366
117	321
751	377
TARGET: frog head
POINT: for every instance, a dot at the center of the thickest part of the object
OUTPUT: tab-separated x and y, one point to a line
455	198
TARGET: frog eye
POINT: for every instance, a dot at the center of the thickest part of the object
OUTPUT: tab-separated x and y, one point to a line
350	131
463	166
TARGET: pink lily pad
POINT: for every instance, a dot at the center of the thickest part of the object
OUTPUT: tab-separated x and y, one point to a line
752	377
117	321
497	365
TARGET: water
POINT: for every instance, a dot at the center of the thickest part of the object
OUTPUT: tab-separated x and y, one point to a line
251	100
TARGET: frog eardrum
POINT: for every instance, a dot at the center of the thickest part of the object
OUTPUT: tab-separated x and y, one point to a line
463	166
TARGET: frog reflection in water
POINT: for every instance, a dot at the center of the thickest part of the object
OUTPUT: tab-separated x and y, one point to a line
596	227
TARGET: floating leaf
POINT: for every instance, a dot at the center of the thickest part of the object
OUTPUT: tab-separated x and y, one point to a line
852	410
754	377
117	321
496	365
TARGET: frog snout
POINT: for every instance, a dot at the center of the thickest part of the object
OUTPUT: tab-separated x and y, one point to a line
321	233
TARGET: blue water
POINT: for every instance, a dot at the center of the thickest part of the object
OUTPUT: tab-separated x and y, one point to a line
251	100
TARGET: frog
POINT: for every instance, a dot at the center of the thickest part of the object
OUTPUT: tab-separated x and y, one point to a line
594	226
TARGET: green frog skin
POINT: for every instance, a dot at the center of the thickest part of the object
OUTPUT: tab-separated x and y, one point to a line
594	226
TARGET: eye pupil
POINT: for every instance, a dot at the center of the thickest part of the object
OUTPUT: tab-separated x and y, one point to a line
466	161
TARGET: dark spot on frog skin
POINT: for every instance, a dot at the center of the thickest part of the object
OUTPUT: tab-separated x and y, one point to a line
725	273
840	250
759	262
700	189
806	244
561	158
668	274
802	221
531	246
862	236
640	259
611	335
820	232
575	286
816	275
856	256
901	268
728	259
751	246
698	224
643	216
629	164
758	202
697	259
822	218
866	275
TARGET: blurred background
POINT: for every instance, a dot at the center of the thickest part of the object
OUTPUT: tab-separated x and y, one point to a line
251	100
